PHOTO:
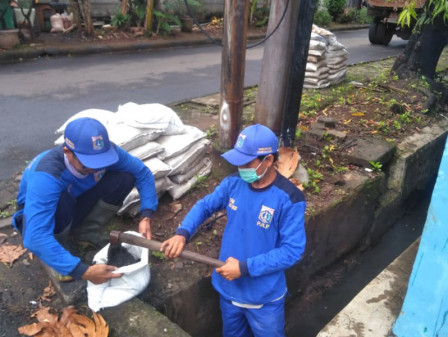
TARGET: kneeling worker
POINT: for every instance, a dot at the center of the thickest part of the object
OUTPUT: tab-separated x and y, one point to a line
79	185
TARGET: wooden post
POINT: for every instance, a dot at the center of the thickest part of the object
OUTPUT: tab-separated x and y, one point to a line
232	70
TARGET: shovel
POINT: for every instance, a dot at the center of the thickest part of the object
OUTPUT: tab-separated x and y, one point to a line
116	237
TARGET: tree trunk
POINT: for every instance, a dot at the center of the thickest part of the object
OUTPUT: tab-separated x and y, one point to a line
74	4
423	51
148	16
87	17
124	7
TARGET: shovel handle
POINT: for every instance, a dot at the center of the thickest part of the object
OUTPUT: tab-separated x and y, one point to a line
117	237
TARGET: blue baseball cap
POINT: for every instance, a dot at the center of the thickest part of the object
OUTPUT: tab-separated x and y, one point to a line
255	140
89	140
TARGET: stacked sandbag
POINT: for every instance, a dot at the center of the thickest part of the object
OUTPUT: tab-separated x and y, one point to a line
175	153
326	60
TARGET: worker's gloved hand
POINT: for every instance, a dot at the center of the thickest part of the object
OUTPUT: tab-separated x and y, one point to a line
173	246
231	270
100	273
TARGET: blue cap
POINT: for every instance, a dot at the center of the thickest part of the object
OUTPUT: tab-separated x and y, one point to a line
89	140
255	140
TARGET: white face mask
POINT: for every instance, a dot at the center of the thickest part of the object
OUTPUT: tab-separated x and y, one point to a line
249	175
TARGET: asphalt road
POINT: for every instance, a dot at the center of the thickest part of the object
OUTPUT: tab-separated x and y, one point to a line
37	96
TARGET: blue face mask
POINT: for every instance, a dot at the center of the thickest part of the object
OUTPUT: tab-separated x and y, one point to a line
249	175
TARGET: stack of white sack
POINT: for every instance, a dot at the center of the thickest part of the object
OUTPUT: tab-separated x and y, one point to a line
175	153
326	60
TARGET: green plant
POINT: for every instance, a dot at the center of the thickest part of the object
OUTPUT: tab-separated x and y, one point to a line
158	255
335	8
322	17
120	20
397	125
164	19
137	12
211	131
376	166
348	15
298	133
178	8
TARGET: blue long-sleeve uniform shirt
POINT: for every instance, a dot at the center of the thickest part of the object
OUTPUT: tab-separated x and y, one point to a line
43	181
264	231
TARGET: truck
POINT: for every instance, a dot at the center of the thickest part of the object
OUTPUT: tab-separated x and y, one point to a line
385	25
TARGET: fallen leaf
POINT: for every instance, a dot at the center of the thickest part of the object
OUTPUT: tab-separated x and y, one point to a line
48	292
10	253
70	324
358	114
287	162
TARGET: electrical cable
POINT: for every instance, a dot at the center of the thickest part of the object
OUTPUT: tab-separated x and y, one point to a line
190	12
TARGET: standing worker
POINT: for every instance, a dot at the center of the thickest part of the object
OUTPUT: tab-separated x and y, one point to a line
79	185
264	236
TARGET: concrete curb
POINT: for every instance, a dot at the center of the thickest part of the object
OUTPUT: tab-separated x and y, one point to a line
17	55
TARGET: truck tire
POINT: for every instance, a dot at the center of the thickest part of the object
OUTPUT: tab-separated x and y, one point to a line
384	34
373	27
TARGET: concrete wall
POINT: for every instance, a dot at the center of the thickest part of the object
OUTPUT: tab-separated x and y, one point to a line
366	207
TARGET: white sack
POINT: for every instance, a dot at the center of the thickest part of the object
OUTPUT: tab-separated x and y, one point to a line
135	279
177	191
174	145
153	116
183	162
131	203
57	23
147	150
158	168
311	66
105	117
320	73
129	138
317	45
316	52
205	163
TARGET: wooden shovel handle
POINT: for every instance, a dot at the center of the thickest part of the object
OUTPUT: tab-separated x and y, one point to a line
117	237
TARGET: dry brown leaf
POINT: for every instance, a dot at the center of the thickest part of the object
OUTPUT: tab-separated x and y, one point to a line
30	329
48	292
287	161
10	253
31	256
70	324
102	329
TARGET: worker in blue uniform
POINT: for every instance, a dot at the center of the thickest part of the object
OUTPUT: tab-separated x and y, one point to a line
79	186
263	237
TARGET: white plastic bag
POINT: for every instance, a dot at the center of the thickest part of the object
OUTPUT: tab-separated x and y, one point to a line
153	116
135	279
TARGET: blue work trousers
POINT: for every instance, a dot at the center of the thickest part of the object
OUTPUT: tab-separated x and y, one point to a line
268	321
112	189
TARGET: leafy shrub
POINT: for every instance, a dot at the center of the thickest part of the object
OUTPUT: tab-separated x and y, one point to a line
363	17
322	17
120	20
355	15
349	15
335	8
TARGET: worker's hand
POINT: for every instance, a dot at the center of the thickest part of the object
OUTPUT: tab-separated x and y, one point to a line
144	227
100	273
230	270
173	246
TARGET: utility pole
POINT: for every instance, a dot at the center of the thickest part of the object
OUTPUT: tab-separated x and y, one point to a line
283	67
232	70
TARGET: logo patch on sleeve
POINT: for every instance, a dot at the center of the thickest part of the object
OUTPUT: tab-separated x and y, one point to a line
265	217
